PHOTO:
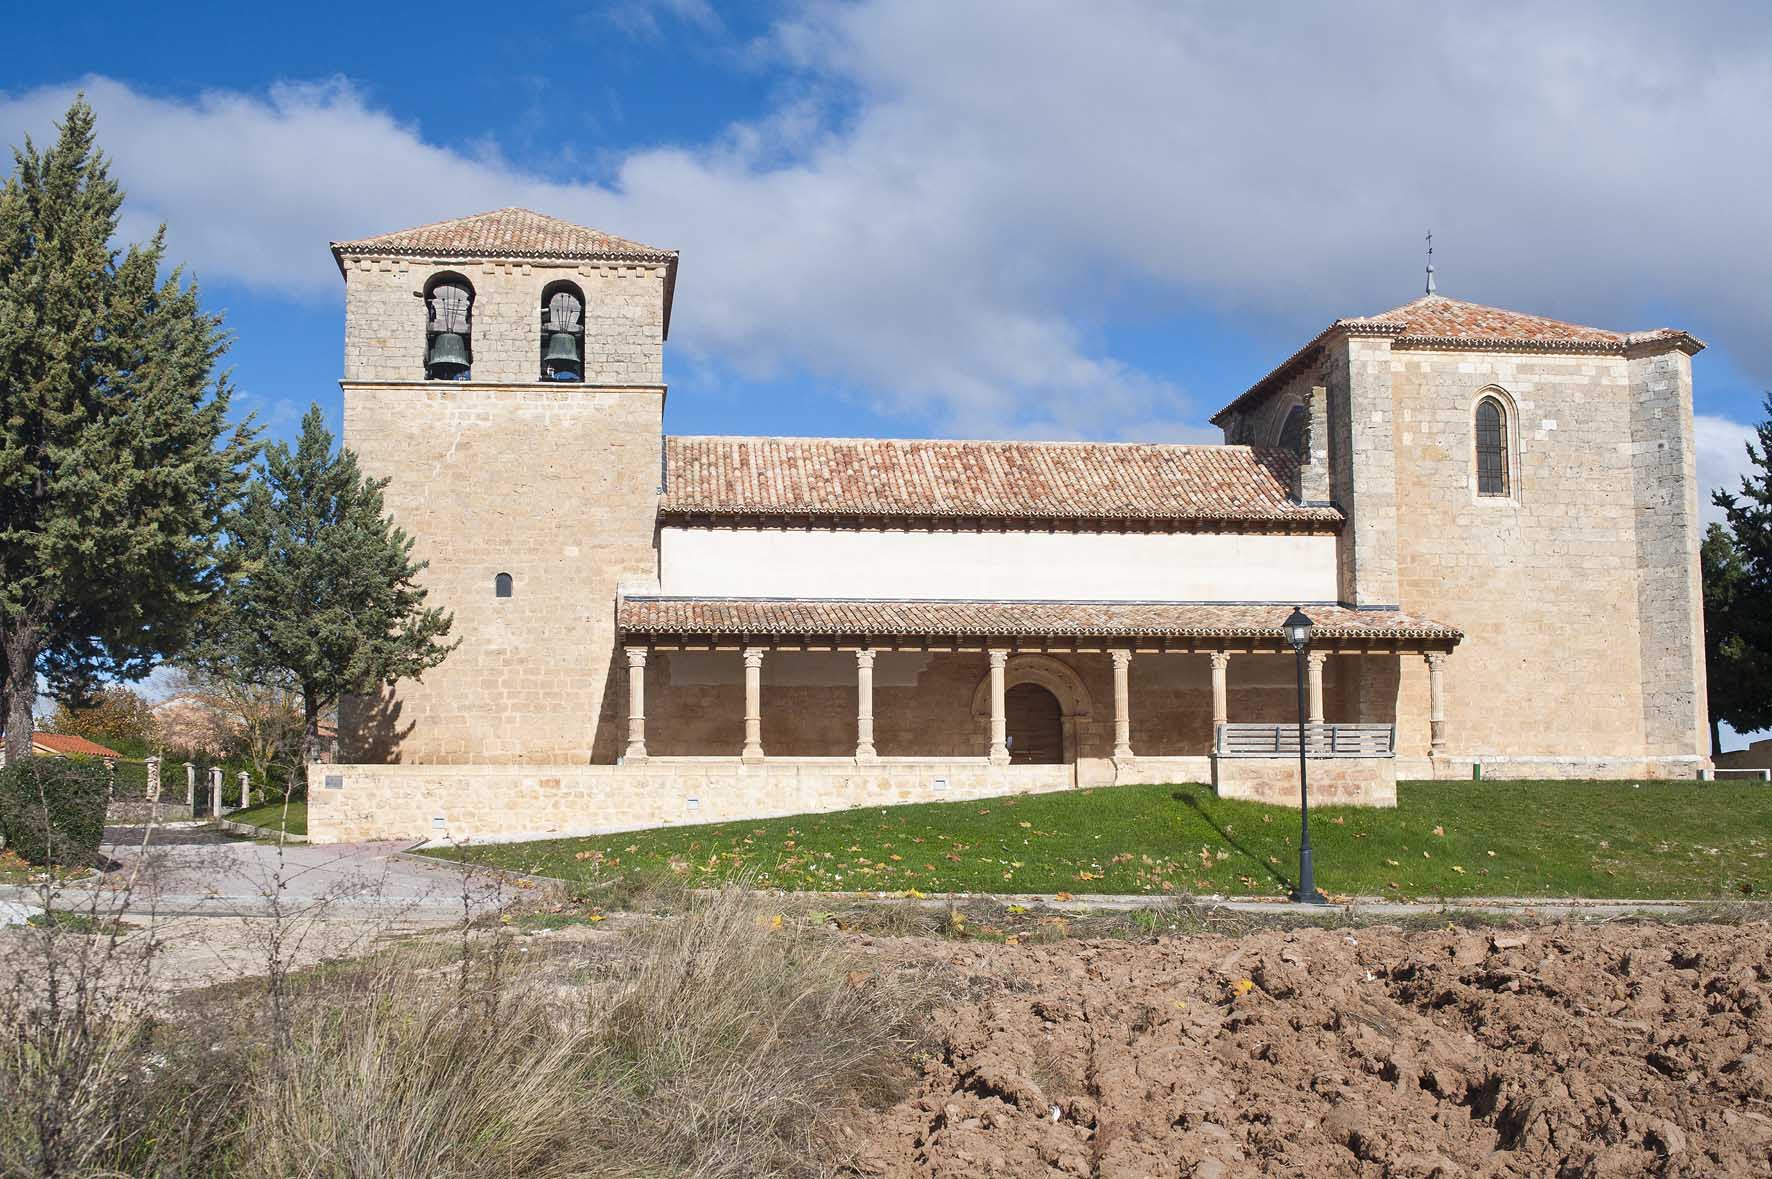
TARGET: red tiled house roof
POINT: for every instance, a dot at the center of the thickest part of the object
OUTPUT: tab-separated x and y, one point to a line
66	745
737	617
1052	481
1435	321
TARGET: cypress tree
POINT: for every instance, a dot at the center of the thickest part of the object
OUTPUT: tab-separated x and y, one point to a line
323	596
117	463
1737	569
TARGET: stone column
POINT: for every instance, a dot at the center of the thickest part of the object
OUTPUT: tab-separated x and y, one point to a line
1315	660
245	789
864	706
190	783
1436	706
215	799
999	723
753	705
636	750
1122	705
153	764
1221	696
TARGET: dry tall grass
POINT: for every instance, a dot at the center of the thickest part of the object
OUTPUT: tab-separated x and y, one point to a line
723	1041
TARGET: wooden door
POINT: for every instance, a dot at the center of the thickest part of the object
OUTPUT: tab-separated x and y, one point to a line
1035	726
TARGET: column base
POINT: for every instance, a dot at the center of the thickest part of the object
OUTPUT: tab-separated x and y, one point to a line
751	757
866	753
634	753
999	757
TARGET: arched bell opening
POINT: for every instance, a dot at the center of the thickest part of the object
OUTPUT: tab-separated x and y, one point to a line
562	332
449	328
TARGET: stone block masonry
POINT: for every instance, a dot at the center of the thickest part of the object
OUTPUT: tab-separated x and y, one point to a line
492	803
385	319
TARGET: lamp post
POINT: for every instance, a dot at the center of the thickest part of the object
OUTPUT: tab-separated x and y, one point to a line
1298	633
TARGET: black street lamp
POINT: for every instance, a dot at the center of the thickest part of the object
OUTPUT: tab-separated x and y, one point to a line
1298	633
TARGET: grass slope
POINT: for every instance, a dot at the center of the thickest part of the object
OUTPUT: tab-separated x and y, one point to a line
269	815
1684	840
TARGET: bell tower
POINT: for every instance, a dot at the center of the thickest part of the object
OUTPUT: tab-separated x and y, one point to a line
505	373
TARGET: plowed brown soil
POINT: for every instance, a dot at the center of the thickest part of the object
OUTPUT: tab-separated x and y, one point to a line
1619	1050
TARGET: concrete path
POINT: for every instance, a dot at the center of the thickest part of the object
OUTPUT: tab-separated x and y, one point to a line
190	870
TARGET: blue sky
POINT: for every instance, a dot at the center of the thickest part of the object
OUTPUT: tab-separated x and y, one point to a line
924	218
927	219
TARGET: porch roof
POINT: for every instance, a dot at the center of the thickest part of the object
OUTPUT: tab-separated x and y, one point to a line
773	618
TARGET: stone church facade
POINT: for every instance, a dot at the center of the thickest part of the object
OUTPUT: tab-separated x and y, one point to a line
1491	518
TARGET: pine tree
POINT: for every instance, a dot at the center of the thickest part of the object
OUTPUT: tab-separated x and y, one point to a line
323	596
117	463
1737	567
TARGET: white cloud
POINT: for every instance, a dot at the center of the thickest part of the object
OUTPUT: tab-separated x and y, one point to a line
989	185
1722	459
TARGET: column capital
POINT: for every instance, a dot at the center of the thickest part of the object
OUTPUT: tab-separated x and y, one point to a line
1316	658
864	657
1220	659
999	657
1435	659
753	656
1121	656
636	656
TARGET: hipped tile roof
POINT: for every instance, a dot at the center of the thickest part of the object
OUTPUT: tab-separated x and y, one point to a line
505	233
65	744
1435	321
761	617
1076	481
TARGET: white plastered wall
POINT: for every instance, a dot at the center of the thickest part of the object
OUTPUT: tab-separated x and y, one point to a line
1016	566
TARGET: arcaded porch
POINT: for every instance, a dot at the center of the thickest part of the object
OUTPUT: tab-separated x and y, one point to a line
1098	693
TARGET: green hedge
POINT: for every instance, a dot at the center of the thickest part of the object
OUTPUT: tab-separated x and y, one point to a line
52	810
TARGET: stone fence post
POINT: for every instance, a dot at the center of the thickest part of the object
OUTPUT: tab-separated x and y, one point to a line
245	789
215	799
191	785
153	779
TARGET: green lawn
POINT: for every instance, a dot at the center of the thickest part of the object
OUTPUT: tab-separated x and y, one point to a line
1684	840
269	815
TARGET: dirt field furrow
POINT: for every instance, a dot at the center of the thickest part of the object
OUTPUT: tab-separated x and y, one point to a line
1621	1050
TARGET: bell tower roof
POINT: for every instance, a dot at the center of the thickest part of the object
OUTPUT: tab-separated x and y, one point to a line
517	234
506	233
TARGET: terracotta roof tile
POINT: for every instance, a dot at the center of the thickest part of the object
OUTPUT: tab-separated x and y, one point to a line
65	744
1081	481
658	616
505	233
1435	321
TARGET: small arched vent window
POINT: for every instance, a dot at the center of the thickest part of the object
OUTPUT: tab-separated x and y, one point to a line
449	328
501	586
1491	431
1292	433
562	333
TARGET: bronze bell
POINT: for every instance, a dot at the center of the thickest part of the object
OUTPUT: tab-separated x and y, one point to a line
561	358
449	357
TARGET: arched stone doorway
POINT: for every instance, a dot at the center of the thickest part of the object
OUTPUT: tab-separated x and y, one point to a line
1059	680
1035	726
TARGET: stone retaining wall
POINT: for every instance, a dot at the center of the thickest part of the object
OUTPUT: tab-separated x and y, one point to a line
1335	781
491	803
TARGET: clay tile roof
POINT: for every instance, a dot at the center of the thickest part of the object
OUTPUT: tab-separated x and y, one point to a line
64	745
762	617
505	233
1435	321
1075	481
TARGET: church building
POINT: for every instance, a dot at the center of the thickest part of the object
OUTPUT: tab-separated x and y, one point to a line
1490	518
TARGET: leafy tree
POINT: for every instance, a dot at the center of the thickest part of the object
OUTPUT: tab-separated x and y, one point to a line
116	715
260	723
1737	568
117	463
325	596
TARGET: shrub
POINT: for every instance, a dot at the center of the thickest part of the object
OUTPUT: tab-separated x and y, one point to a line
52	810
